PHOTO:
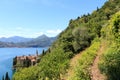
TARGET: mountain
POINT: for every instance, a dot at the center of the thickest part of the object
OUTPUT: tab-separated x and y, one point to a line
16	41
95	37
41	41
2	44
42	37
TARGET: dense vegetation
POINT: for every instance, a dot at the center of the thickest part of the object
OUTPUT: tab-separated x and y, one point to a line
82	70
110	61
79	35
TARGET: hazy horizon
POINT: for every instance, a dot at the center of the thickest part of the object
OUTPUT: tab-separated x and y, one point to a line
28	37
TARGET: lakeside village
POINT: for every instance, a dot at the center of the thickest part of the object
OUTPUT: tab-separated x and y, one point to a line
26	61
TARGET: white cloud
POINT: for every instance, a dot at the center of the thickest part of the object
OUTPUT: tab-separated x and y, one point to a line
38	34
6	35
53	32
26	32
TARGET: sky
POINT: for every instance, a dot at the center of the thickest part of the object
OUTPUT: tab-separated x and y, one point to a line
32	18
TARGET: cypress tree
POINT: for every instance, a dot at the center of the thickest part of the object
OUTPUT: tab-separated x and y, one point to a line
43	52
49	50
97	9
37	52
7	76
3	78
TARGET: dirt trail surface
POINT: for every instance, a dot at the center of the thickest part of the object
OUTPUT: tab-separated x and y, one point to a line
95	72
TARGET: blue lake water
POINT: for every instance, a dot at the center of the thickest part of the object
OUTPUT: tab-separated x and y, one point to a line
7	55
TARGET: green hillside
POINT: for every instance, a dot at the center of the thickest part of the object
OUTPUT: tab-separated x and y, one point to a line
88	31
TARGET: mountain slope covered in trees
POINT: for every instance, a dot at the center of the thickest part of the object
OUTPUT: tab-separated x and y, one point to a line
87	31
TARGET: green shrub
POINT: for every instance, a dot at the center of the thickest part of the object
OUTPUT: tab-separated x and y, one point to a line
110	61
54	64
110	64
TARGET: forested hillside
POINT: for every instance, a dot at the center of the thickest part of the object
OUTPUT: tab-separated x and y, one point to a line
86	33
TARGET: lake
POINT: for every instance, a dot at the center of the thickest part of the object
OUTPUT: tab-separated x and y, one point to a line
7	55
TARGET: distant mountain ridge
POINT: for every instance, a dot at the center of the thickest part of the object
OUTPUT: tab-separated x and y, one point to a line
17	41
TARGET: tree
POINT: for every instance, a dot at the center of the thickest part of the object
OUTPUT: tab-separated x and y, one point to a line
43	52
37	52
88	14
27	62
82	38
3	78
14	61
116	25
97	9
78	17
7	76
49	50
